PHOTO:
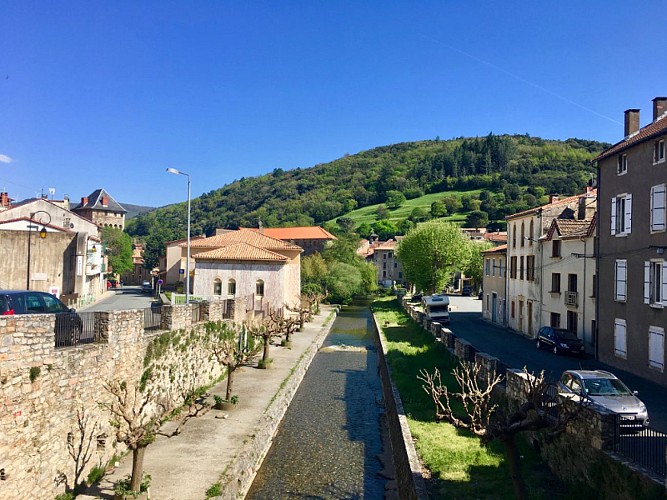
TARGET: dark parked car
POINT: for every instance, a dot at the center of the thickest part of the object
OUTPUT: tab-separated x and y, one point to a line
146	287
605	390
560	341
466	291
68	323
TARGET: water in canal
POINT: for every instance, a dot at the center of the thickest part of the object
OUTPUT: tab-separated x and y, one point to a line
330	442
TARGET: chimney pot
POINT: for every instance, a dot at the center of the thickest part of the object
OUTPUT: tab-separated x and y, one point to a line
84	200
105	201
553	198
631	122
659	107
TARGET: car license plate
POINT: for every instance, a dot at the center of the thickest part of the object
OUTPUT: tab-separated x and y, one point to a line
627	417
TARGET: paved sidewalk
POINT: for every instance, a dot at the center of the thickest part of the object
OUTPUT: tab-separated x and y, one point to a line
185	466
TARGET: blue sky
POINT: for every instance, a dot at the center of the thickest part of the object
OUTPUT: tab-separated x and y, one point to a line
111	93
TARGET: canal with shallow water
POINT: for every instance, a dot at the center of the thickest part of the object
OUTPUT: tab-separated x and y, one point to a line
330	442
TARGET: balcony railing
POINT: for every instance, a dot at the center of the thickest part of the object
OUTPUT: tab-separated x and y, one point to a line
571	299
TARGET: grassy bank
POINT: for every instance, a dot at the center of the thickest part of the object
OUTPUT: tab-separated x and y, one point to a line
460	466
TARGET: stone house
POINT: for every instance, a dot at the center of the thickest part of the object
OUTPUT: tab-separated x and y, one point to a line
172	267
568	278
246	264
65	259
494	282
632	238
524	256
382	254
100	208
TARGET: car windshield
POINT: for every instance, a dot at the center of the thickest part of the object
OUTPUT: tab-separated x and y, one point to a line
566	335
605	387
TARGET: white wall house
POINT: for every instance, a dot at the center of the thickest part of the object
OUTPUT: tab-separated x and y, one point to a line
493	285
568	287
248	265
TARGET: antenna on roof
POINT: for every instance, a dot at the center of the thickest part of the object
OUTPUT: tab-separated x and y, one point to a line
52	191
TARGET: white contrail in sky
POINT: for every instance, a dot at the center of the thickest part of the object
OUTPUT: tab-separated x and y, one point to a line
523	80
5	159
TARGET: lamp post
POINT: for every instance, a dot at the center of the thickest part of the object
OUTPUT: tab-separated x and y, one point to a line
187	261
42	235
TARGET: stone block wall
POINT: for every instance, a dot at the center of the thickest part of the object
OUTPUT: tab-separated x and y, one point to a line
50	397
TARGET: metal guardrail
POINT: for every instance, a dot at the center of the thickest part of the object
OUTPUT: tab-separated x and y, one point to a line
642	446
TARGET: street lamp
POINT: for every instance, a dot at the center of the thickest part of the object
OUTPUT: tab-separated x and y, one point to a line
187	261
42	235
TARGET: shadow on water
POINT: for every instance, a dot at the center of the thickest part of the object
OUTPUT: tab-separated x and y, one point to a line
329	444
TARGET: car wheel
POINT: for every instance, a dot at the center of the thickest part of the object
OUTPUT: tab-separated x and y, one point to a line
539	344
555	350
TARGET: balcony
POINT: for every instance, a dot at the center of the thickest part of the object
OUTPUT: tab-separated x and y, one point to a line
571	299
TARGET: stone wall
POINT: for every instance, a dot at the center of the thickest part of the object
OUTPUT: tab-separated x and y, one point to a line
50	397
406	462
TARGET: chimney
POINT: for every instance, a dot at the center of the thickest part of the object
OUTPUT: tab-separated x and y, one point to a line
5	202
105	201
631	122
659	107
553	198
84	201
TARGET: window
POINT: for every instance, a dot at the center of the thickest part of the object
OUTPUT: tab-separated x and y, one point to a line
514	236
487	266
384	256
493	267
620	280
530	236
523	234
395	265
217	287
500	267
530	268
512	311
513	267
621	214
231	288
620	340
521	267
384	274
572	321
572	283
555	283
594	291
658	208
555	320
655	282
555	248
659	151
622	167
656	348
259	288
384	265
391	255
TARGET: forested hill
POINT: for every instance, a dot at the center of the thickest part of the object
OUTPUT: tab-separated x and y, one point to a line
497	163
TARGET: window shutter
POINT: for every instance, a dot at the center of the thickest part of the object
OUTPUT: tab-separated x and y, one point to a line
656	348
647	282
613	216
620	343
621	274
628	213
658	208
663	295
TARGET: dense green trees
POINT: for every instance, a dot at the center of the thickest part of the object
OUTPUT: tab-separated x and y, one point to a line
503	165
118	245
431	253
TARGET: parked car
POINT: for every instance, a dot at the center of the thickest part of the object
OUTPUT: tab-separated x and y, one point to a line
605	390
466	291
560	341
146	287
69	324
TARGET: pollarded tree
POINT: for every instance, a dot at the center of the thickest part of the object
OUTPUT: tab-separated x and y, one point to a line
232	346
431	253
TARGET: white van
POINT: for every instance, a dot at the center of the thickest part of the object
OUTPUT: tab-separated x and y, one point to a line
436	308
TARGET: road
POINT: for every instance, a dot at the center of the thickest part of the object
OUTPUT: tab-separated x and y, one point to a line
128	297
517	351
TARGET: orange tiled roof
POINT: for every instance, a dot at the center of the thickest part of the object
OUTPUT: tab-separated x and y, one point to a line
297	233
499	249
571	228
250	237
563	201
654	129
241	251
